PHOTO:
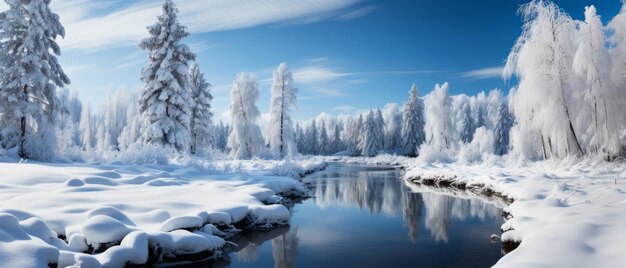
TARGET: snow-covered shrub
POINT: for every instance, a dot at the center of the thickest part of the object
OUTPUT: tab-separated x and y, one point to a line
66	148
482	144
42	144
288	168
139	153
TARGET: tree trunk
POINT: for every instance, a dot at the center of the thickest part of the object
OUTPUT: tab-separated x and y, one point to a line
22	152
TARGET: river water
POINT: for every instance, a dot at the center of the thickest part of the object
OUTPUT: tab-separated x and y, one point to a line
368	217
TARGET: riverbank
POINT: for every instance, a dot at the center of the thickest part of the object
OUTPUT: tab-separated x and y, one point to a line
567	213
116	215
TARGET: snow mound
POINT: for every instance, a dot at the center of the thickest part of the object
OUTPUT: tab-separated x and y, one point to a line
18	249
102	229
183	222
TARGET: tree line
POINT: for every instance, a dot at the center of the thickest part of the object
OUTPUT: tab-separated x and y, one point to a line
569	99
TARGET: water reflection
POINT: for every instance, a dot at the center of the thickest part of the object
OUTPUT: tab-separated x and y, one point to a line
285	249
383	192
344	193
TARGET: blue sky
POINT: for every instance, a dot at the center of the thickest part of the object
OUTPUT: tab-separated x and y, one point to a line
347	55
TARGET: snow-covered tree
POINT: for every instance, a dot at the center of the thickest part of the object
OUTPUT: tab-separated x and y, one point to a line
201	119
592	62
245	139
439	130
478	109
279	132
393	127
542	61
70	108
413	124
372	142
312	145
299	137
323	140
464	118
114	113
29	75
132	130
354	135
86	128
165	101
501	121
379	121
336	144
220	140
618	72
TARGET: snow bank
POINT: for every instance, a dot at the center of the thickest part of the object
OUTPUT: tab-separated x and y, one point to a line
383	159
569	213
109	215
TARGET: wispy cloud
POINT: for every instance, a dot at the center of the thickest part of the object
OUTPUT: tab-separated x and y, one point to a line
356	13
343	108
321	78
93	25
202	46
484	73
72	69
317	74
133	59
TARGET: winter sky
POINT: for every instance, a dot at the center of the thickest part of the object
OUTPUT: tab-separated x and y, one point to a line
347	55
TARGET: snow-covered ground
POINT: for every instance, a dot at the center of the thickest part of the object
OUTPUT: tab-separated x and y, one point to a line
567	213
130	211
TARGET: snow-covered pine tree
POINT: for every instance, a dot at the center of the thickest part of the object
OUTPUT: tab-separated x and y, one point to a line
165	101
245	139
220	139
86	128
279	130
478	109
372	142
393	127
501	121
29	76
201	120
312	145
465	123
299	136
413	124
354	134
68	125
336	144
379	121
323	140
541	59
114	115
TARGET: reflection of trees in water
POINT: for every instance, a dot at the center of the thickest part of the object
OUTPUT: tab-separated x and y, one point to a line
442	209
438	215
248	243
285	249
383	192
412	209
375	191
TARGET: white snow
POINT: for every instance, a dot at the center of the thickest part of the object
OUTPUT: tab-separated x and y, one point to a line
566	213
127	208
